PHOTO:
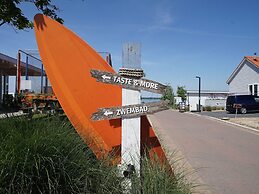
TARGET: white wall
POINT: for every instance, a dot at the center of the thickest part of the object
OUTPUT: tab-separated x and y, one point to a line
207	99
194	102
215	102
248	74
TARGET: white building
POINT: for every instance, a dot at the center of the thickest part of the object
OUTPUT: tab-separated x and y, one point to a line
208	98
245	78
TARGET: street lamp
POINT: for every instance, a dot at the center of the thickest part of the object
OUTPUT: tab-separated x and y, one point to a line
199	109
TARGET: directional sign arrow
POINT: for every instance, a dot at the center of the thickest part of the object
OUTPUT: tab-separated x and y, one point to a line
128	82
129	111
106	77
107	113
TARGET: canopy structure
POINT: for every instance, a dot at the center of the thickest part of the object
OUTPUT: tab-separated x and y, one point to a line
8	67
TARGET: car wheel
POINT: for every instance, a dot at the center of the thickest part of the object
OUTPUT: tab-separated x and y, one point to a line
243	110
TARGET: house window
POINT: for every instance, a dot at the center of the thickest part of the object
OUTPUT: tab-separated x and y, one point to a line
256	89
253	89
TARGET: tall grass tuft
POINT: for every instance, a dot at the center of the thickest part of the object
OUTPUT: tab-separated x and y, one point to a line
46	155
157	178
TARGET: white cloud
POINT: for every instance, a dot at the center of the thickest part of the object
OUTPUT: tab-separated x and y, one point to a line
164	18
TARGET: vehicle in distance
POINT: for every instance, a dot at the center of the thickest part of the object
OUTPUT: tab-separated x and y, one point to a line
242	103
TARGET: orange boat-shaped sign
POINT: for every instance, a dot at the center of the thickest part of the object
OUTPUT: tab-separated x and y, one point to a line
68	61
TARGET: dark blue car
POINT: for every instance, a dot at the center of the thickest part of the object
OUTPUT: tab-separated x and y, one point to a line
242	103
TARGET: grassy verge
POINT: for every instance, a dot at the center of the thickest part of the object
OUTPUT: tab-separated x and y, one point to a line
47	156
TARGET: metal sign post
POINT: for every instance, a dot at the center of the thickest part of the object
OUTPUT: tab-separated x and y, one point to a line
237	106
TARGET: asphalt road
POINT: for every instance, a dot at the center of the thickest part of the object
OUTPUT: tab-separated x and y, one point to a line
226	156
221	114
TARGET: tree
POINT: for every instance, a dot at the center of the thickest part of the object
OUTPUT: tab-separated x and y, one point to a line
11	14
169	95
181	92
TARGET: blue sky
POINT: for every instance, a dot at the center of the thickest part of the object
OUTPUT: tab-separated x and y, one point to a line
179	38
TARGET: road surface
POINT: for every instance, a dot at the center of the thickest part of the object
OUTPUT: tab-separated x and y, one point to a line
226	156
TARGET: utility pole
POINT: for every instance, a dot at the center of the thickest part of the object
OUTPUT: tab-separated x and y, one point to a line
199	109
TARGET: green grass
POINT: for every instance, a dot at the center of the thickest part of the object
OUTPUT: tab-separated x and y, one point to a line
157	178
46	155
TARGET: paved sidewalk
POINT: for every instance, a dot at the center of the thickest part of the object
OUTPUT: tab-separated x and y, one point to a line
226	156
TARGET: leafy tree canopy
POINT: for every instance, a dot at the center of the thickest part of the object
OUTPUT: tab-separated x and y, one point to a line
181	92
11	14
168	95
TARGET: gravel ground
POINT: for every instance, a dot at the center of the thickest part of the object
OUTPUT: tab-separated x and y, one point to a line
222	114
249	119
250	122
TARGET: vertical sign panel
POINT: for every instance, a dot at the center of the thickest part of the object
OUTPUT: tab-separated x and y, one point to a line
131	56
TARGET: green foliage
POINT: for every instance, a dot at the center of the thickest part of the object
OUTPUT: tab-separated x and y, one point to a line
212	108
159	178
11	14
169	95
181	92
47	156
207	108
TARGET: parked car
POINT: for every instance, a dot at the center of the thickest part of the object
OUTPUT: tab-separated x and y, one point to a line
242	103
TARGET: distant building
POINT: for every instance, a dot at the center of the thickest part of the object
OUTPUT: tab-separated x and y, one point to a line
208	98
245	78
8	69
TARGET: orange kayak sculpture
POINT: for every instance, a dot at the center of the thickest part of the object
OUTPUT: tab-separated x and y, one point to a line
68	61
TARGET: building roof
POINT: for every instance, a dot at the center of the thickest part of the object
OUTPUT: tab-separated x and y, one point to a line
8	66
207	92
251	59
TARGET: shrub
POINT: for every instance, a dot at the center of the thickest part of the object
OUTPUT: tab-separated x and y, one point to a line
208	108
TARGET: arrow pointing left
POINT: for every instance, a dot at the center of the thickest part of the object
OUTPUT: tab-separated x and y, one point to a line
129	111
106	77
107	113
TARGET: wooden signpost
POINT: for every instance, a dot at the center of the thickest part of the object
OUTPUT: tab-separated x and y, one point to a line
129	111
130	78
128	82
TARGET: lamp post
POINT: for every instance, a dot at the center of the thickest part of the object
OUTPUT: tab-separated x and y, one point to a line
199	109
